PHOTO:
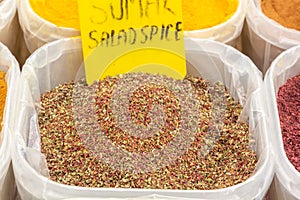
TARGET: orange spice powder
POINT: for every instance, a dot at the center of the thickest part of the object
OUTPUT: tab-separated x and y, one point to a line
286	13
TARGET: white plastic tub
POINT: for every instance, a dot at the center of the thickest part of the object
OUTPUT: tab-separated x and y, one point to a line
8	64
58	62
286	184
9	27
227	32
263	38
38	31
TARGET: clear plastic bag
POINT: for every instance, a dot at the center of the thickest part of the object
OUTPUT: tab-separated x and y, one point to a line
263	38
38	31
9	25
8	64
58	62
286	184
227	32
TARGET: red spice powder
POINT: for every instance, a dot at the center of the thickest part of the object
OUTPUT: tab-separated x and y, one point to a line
288	101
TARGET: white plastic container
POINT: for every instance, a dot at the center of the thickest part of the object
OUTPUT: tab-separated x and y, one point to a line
38	31
263	38
286	184
58	62
227	32
9	23
8	64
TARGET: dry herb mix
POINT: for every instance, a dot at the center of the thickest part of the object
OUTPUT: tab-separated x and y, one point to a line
230	160
288	101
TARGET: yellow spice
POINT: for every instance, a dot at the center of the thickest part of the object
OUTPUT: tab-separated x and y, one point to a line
62	13
200	14
197	14
3	91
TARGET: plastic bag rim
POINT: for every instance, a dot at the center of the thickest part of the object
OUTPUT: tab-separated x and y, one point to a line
24	5
47	181
32	56
11	69
222	45
270	75
251	20
13	72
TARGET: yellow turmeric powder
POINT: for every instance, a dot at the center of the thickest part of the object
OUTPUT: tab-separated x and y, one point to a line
63	13
200	14
3	91
197	14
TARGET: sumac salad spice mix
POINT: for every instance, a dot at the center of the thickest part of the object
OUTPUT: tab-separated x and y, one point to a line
288	103
228	161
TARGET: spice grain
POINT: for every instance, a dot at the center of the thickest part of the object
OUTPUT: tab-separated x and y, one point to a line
288	102
230	160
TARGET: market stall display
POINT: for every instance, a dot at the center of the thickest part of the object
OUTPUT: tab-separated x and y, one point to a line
53	140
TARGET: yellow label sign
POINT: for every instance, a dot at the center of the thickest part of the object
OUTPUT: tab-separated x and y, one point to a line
120	36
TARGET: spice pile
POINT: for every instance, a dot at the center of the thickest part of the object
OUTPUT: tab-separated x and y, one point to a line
71	159
288	101
197	14
60	13
200	14
3	91
287	12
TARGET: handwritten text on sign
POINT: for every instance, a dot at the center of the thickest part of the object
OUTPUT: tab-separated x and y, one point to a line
120	36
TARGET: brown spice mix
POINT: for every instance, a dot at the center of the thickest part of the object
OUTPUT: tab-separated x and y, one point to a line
70	162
